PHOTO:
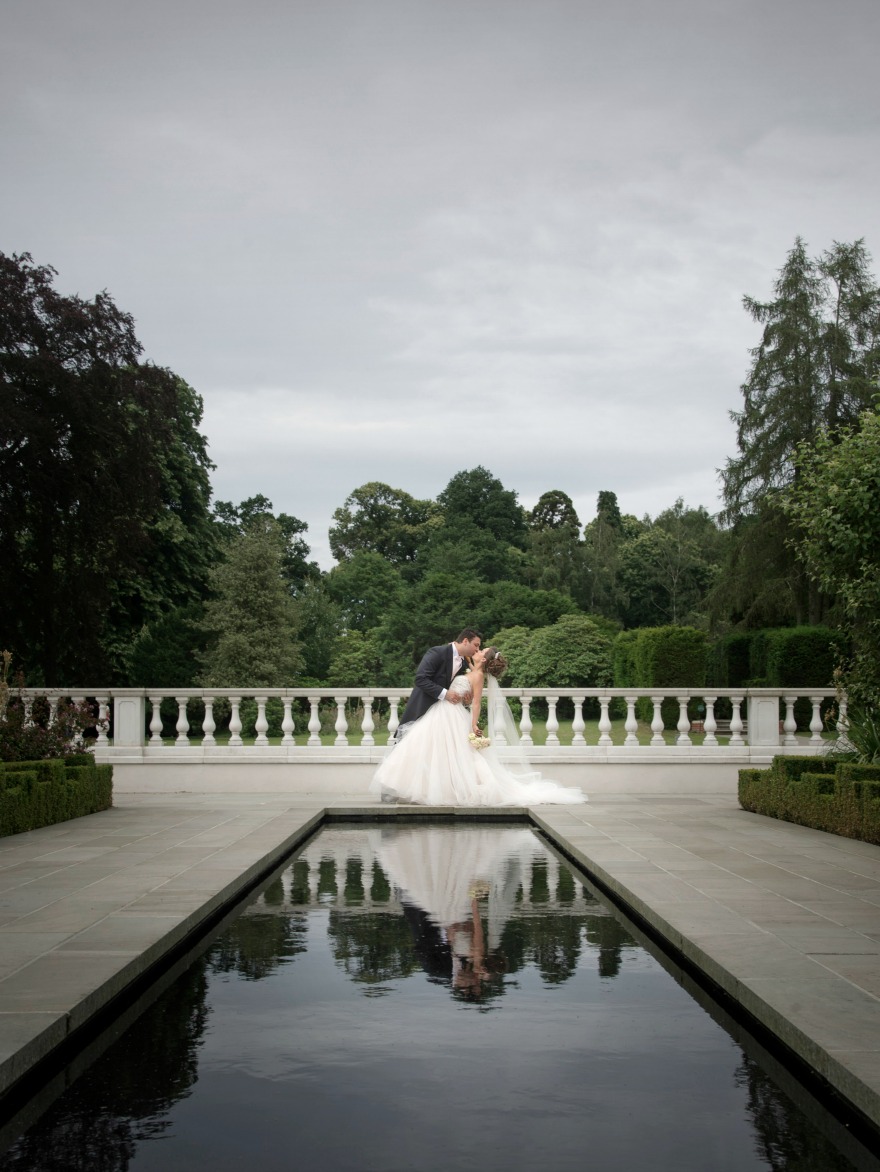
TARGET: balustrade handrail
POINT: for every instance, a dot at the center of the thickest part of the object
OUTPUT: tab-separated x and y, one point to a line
701	690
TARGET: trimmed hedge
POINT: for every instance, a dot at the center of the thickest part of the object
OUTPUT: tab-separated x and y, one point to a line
840	797
40	793
660	657
729	664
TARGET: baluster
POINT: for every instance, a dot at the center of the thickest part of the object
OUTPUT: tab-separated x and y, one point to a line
235	722
684	724
710	724
657	722
182	722
498	716
53	709
578	725
632	724
736	722
156	721
287	725
604	722
314	721
103	723
78	739
842	720
552	722
816	720
393	719
789	725
209	726
368	724
525	724
261	727
341	723
29	711
314	880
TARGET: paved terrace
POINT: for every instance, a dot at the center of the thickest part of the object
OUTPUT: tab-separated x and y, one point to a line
785	919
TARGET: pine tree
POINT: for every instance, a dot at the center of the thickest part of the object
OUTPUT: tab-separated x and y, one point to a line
252	619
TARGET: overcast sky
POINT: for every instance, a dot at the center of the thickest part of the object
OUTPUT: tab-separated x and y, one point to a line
392	240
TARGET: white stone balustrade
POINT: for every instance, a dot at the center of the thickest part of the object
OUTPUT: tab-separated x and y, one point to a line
129	721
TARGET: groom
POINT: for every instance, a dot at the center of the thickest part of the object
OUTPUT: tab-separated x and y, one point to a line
439	667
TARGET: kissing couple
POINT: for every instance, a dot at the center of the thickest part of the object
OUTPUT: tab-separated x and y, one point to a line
436	759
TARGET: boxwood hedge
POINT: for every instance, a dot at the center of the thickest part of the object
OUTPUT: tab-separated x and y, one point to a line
40	793
842	798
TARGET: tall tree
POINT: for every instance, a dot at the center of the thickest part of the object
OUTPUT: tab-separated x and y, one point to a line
668	570
555	550
835	506
479	497
363	587
811	374
235	519
851	336
784	396
104	487
383	520
601	588
481	530
251	619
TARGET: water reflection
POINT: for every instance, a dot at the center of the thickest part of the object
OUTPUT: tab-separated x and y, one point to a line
267	1032
125	1098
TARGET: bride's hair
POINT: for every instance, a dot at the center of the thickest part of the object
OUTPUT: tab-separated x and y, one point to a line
495	663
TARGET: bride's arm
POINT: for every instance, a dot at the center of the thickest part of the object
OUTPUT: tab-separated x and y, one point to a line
475	679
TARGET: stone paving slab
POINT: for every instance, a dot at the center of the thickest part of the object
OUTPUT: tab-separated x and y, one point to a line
784	919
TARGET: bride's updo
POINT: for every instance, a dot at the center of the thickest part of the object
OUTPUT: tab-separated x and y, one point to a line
495	663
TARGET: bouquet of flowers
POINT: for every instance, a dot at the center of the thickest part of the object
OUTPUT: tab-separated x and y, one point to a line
478	740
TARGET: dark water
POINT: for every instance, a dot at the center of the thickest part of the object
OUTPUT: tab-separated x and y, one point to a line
430	998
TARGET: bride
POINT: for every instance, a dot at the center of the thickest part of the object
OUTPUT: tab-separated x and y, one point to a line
437	765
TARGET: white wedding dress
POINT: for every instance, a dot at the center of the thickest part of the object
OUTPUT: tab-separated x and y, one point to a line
436	765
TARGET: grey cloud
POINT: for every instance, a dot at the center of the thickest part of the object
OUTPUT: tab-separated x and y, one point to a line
361	229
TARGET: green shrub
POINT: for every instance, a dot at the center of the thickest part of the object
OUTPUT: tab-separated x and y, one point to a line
799	657
862	741
660	657
28	733
729	660
843	798
574	652
623	659
40	793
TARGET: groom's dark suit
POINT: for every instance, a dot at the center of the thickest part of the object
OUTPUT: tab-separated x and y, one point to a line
433	674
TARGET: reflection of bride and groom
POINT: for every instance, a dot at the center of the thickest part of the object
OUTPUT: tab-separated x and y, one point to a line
433	761
458	887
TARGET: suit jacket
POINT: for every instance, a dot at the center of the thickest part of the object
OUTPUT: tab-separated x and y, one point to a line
433	674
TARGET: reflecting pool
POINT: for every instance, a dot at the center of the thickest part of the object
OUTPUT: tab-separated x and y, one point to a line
441	997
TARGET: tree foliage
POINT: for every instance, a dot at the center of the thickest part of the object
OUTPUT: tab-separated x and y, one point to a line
480	498
554	545
383	520
364	587
573	652
251	620
104	486
810	376
834	506
605	537
667	571
235	519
